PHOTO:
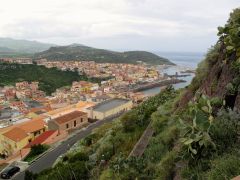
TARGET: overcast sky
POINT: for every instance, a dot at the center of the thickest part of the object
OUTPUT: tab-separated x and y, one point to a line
163	25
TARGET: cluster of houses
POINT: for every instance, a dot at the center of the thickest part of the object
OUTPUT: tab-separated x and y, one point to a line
53	124
29	117
93	92
131	73
22	90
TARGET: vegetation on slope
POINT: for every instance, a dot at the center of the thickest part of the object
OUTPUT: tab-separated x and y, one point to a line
49	78
197	141
84	53
108	147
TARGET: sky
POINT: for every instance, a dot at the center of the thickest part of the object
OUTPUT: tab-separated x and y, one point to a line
155	25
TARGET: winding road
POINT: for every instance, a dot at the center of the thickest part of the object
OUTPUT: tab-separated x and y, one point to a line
48	159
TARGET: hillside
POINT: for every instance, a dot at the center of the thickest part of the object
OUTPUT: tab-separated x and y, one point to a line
49	78
21	46
196	129
83	53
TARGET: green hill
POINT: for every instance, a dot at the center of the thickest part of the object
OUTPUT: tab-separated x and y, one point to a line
49	78
84	53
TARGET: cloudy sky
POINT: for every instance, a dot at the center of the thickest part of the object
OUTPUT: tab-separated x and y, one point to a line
163	25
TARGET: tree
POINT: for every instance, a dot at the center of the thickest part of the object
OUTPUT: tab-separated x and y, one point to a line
129	121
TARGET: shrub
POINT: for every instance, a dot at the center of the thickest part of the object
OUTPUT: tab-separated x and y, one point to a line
225	167
224	131
230	33
165	169
159	121
79	156
129	121
35	151
89	139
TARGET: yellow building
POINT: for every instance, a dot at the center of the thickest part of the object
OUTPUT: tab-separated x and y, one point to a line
13	140
15	137
109	108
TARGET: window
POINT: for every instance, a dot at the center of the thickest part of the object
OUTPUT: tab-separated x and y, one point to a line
67	126
75	123
81	119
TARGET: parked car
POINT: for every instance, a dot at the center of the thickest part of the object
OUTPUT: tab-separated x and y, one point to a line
9	172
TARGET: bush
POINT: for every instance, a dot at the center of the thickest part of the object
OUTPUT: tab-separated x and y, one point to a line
129	121
225	167
79	156
89	139
224	131
35	151
165	169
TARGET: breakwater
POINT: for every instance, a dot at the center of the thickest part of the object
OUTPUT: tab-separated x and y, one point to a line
157	84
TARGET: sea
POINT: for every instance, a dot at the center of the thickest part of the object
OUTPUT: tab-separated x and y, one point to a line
183	61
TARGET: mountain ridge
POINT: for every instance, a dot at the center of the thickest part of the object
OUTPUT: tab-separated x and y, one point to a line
83	53
24	46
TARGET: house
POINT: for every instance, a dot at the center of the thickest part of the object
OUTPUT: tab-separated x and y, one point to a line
109	108
17	136
10	93
70	121
13	141
81	86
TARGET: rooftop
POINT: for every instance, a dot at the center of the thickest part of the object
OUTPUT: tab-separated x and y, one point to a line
109	104
70	116
33	125
16	134
41	138
28	126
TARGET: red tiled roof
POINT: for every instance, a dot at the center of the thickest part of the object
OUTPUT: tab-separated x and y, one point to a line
33	125
70	116
41	138
16	134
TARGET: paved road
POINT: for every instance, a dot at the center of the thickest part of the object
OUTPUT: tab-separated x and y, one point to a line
49	158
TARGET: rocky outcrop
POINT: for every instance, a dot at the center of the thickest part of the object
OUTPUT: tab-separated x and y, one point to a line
218	77
215	83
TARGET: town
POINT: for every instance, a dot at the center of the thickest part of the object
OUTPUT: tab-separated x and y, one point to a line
29	117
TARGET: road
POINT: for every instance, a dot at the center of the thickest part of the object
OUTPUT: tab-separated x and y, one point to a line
50	157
